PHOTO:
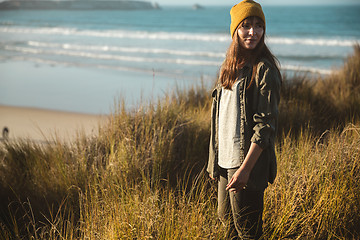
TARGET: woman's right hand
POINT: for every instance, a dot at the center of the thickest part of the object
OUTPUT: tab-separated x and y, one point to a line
212	178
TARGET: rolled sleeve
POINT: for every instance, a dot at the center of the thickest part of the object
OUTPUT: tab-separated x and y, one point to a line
266	112
212	166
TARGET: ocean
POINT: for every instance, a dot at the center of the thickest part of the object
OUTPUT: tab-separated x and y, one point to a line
85	61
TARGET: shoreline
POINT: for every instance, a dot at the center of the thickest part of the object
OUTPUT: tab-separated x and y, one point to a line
45	125
84	89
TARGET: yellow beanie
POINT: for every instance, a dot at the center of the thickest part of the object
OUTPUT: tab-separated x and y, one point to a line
242	10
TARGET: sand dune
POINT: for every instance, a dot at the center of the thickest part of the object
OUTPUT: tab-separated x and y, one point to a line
46	125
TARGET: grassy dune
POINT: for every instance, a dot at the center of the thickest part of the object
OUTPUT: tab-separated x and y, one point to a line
143	176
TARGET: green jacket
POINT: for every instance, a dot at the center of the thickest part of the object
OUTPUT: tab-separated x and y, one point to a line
260	102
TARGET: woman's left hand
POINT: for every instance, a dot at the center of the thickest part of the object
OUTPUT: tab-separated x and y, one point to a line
238	181
240	178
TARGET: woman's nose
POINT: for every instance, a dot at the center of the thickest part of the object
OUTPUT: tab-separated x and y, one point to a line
251	31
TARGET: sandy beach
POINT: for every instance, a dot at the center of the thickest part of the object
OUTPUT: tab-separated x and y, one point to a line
46	125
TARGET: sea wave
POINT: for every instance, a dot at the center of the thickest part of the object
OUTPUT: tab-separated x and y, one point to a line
209	54
106	48
120	34
313	41
311	57
178	36
296	68
111	56
39	60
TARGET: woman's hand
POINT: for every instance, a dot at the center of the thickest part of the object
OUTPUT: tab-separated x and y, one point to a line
213	178
240	178
238	181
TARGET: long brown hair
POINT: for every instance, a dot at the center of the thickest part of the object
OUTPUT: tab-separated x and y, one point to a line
237	57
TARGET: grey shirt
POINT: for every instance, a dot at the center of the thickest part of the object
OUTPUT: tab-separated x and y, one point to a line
230	150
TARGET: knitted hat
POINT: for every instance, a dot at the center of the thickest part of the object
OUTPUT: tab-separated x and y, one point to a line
242	10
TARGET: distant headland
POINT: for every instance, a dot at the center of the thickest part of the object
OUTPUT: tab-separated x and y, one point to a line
77	5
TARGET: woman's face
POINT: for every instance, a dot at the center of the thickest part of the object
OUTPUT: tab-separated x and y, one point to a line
250	32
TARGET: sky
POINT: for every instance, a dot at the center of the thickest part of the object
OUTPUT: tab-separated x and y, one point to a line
262	2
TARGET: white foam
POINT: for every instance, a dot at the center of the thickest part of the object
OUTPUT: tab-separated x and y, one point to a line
106	48
92	55
120	34
112	57
313	41
178	36
306	69
24	49
57	62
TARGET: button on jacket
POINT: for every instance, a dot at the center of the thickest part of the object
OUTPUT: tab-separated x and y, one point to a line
259	123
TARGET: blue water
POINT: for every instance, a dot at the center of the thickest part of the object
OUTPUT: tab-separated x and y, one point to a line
93	57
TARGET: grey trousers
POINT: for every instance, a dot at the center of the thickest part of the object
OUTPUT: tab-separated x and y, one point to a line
243	209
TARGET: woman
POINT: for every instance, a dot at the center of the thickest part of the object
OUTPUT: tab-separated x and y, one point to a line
244	120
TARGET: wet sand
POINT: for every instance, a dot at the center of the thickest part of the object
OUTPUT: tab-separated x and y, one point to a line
47	125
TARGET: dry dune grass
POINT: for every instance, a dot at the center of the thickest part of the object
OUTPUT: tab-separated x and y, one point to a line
142	177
